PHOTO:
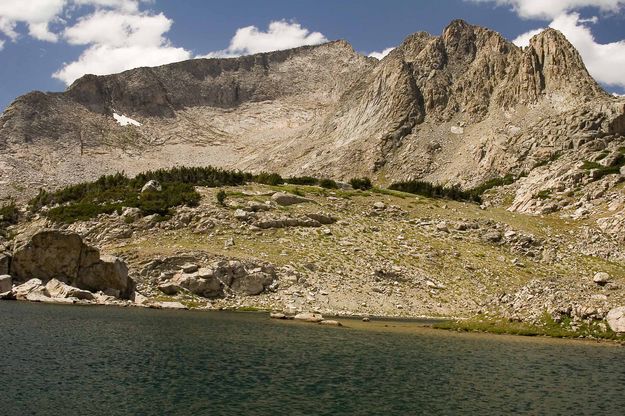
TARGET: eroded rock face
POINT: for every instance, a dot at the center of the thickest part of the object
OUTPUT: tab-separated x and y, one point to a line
58	289
53	254
6	283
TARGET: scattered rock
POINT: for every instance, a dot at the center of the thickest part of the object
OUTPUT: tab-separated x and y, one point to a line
168	305
277	315
379	205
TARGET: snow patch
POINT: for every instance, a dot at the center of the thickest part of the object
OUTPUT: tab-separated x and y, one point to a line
122	120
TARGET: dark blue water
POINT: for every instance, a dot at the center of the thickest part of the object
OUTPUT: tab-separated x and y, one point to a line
68	360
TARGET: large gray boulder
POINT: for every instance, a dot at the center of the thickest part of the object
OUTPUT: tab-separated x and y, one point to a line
252	284
200	283
616	319
62	255
283	199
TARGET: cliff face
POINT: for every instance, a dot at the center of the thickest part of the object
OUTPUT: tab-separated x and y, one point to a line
456	108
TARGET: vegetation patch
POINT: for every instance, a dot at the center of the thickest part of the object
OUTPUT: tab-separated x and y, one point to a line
430	190
546	327
363	184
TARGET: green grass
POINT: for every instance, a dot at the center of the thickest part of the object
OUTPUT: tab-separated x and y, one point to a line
547	327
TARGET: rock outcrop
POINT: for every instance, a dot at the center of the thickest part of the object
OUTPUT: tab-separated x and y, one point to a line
53	254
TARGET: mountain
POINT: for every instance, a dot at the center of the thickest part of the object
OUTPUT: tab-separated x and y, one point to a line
462	107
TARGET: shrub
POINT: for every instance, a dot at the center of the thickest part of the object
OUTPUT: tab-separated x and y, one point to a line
303	180
9	214
361	183
436	191
328	184
268	179
221	197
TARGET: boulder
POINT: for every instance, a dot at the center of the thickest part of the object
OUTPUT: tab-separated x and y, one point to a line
207	287
492	236
283	199
169	288
309	317
109	272
58	289
379	205
616	319
277	315
46	255
252	284
62	255
321	218
32	290
152	186
601	278
5	262
6	283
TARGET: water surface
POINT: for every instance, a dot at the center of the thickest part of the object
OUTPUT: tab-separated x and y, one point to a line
69	360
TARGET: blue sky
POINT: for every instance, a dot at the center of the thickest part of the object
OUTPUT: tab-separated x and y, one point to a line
46	44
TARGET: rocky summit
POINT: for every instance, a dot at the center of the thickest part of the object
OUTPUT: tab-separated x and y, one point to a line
466	110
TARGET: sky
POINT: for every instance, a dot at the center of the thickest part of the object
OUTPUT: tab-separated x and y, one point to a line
47	44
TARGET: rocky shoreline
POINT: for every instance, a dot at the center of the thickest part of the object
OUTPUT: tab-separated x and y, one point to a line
340	253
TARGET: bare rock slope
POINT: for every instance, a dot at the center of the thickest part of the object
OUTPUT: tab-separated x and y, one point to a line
461	107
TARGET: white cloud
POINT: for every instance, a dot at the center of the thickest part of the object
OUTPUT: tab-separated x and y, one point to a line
1	45
104	59
605	61
524	38
119	41
380	55
117	34
549	9
279	35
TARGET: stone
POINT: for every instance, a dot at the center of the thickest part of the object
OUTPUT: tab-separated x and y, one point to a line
616	319
442	226
58	289
6	283
241	215
5	261
208	287
109	272
321	218
309	317
330	322
492	236
168	305
284	199
229	243
189	268
379	205
152	186
169	288
601	278
31	290
277	315
252	284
